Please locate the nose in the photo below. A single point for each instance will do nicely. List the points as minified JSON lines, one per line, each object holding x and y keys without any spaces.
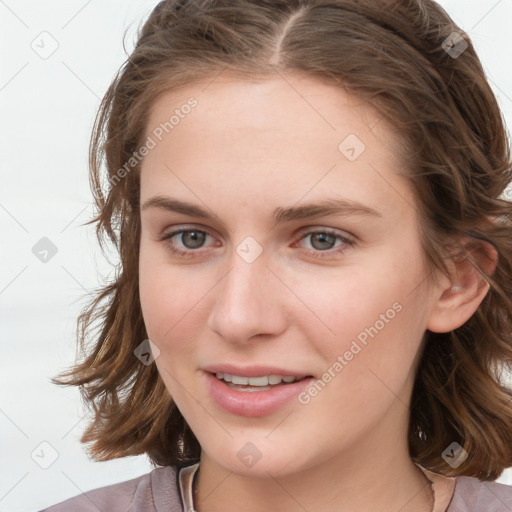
{"x":249,"y":300}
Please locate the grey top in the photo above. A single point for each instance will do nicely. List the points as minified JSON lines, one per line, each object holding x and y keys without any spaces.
{"x":162,"y":489}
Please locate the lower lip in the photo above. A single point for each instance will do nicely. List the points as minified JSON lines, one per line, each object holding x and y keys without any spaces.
{"x":253,"y":403}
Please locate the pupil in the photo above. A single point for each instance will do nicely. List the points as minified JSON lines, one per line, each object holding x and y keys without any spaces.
{"x":321,"y":237}
{"x":195,"y":237}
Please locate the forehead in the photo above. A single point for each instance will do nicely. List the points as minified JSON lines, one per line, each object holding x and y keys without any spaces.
{"x":283,"y":135}
{"x":282,"y":114}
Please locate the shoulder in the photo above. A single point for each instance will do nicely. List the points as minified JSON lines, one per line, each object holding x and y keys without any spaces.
{"x":156,"y":491}
{"x":473,"y":495}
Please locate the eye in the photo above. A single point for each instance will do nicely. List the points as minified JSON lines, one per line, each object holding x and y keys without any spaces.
{"x":190,"y":239}
{"x":186,"y":241}
{"x":323,"y":241}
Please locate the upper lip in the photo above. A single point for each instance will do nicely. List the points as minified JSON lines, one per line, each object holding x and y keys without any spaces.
{"x":253,"y":371}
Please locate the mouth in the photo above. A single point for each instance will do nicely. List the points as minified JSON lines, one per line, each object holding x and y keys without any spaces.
{"x":254,"y":396}
{"x":255,"y":384}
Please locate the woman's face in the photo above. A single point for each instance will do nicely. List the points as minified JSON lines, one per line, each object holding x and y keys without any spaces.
{"x":300,"y":256}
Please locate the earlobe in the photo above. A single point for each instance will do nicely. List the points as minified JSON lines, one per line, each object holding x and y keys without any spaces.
{"x":460,"y":296}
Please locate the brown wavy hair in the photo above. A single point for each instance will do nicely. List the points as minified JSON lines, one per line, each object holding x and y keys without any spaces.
{"x":397,"y":56}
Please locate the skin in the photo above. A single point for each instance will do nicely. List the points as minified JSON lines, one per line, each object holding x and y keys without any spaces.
{"x":246,"y":149}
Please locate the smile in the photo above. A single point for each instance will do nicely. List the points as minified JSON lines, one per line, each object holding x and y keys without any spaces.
{"x":254,"y":396}
{"x":243,"y":383}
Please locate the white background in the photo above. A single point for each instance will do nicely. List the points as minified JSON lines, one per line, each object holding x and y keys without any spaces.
{"x":47,"y":110}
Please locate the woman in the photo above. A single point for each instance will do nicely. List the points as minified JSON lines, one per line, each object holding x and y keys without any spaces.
{"x":313,"y":308}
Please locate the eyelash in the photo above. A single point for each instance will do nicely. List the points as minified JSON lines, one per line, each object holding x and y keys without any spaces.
{"x":316,"y":253}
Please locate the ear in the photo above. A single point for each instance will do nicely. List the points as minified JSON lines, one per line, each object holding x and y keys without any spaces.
{"x":460,"y":294}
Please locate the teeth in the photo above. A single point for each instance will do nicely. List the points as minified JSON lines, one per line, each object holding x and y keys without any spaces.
{"x":255,"y":381}
{"x":239,"y":380}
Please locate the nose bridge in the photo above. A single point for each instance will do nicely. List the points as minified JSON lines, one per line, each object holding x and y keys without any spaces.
{"x":247,"y":299}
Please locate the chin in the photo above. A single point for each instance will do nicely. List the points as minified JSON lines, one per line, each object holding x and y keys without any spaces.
{"x":245,"y":458}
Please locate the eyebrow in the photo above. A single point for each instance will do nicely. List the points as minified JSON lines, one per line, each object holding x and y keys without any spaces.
{"x":280,"y":215}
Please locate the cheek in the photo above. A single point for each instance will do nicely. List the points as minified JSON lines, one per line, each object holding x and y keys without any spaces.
{"x":161,"y":297}
{"x":350,"y":306}
{"x":150,"y":294}
{"x":373,"y":319}
{"x":166,"y":311}
{"x":173,"y":303}
{"x":370,"y":365}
